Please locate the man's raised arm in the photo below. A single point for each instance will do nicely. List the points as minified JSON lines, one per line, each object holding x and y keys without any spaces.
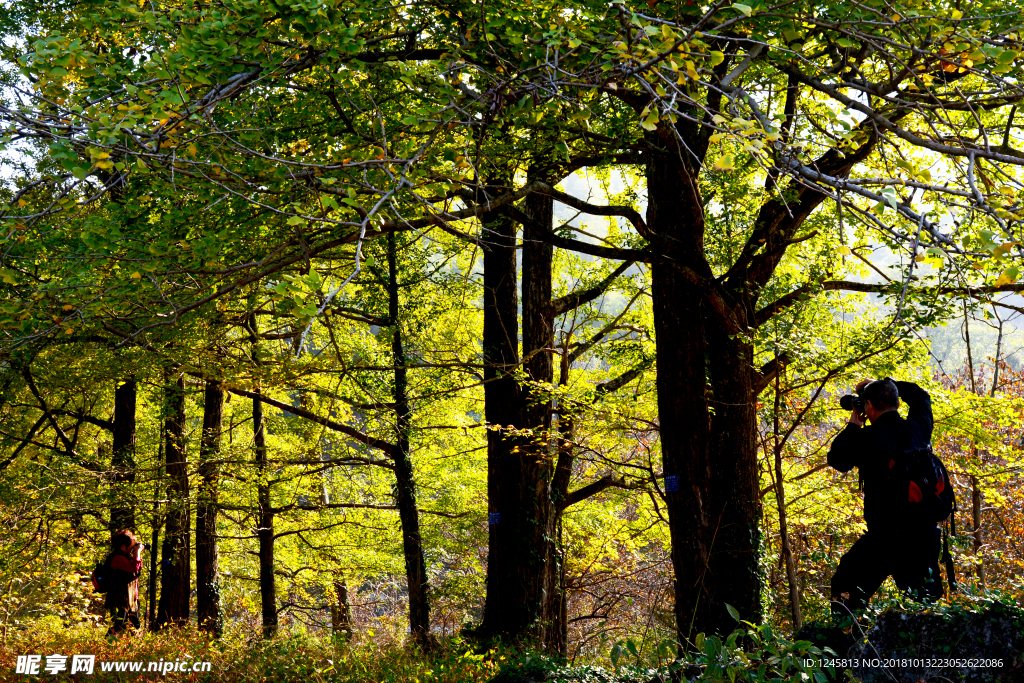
{"x":920,"y":408}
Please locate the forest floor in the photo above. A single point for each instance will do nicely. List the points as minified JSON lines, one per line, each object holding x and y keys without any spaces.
{"x":304,"y":658}
{"x":981,"y":630}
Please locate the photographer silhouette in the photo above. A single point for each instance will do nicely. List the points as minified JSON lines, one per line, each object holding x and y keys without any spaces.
{"x":118,"y":577}
{"x":903,"y":539}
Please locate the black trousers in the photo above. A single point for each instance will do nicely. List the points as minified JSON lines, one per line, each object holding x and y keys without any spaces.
{"x":910,"y":556}
{"x":121,"y":618}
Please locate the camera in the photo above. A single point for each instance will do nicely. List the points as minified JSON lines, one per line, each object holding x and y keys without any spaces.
{"x":852,"y":402}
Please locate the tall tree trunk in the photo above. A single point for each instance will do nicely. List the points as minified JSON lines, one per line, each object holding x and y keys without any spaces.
{"x":502,"y":410}
{"x":265,"y":530}
{"x":531,"y":520}
{"x":682,"y":402}
{"x":734,"y":552}
{"x":122,"y":461}
{"x":412,"y":542}
{"x":208,"y":609}
{"x":176,"y":571}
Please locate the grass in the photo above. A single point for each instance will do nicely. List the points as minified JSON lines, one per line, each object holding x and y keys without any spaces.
{"x":749,"y":654}
{"x":294,"y":657}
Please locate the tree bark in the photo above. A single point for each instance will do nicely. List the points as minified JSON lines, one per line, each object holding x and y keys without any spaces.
{"x":151,"y":604}
{"x":412,"y":542}
{"x":979,"y":540}
{"x":733,"y":553}
{"x":780,"y":499}
{"x":176,"y":571}
{"x":531,"y":522}
{"x":682,"y":385}
{"x":341,"y":615}
{"x":502,"y":411}
{"x":528,"y":591}
{"x":265,"y":530}
{"x":557,"y":639}
{"x":208,"y":608}
{"x":707,"y":383}
{"x":122,"y":461}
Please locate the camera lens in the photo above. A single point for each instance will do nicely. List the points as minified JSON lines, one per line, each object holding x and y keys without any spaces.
{"x":846,"y":402}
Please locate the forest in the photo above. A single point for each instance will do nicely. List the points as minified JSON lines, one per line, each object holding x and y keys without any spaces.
{"x":452,"y":340}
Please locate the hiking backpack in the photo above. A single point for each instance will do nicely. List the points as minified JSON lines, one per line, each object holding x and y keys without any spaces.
{"x":921,"y":484}
{"x":99,"y":575}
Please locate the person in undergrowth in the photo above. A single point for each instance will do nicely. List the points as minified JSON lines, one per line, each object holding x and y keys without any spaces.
{"x":122,"y":581}
{"x":894,"y":544}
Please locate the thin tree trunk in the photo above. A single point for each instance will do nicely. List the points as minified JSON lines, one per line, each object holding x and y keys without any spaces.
{"x":976,"y":496}
{"x":175,"y":576}
{"x":501,"y":408}
{"x":341,"y":615}
{"x":208,"y":608}
{"x":122,"y":461}
{"x":557,"y":640}
{"x":557,"y":636}
{"x":412,"y":542}
{"x":265,"y":530}
{"x":979,"y":539}
{"x":154,"y":544}
{"x":153,"y":565}
{"x":780,"y":498}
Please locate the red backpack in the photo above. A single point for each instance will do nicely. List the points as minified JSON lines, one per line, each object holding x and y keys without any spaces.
{"x":922,"y":485}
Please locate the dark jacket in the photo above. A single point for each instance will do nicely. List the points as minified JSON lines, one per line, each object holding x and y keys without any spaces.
{"x":871,"y":448}
{"x":122,"y":581}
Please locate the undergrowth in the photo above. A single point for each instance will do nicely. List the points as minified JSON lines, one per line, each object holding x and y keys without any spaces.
{"x":238,"y":657}
{"x":749,"y":654}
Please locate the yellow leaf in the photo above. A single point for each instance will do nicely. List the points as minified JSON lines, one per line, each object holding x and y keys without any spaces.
{"x":136,"y":275}
{"x":726,"y":162}
{"x":717,"y":57}
{"x":845,"y":250}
